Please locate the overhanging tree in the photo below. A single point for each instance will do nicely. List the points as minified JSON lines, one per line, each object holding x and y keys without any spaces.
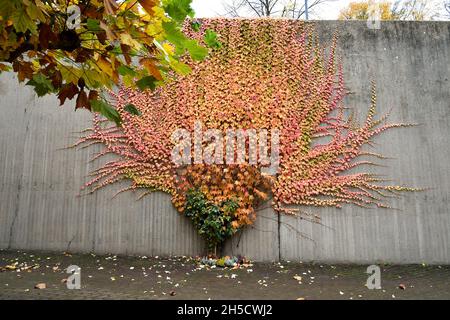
{"x":75,"y":48}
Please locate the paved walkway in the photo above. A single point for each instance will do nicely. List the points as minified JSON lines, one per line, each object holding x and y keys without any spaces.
{"x":117,"y":277}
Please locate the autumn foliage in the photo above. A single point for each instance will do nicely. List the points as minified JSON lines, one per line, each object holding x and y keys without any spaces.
{"x":76,"y":48}
{"x":266,"y":74}
{"x":417,"y":10}
{"x":361,"y":10}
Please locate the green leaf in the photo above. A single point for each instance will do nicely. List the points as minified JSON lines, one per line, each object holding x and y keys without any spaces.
{"x":196,"y":51}
{"x":178,"y":10}
{"x":93,"y":25}
{"x":148,"y":82}
{"x":195,"y":25}
{"x":131,"y":108}
{"x":22,"y":22}
{"x":211,"y":39}
{"x":173,"y":34}
{"x":176,"y":37}
{"x":106,"y":110}
{"x":34,"y":12}
{"x":8,"y":7}
{"x":126,"y":71}
{"x":71,"y":73}
{"x":180,"y":67}
{"x":41,"y":84}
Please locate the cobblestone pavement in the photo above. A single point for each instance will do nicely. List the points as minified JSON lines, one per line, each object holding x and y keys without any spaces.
{"x":120,"y":277}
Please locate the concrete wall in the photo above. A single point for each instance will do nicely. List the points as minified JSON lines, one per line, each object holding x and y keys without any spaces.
{"x":410,"y":62}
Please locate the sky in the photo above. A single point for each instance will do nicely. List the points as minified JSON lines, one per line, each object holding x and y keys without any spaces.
{"x":214,"y":8}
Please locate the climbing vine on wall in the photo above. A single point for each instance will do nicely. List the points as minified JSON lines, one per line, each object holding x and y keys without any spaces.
{"x":264,"y":74}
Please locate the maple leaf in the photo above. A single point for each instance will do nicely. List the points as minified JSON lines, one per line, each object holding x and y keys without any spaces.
{"x":148,"y":5}
{"x":99,"y":51}
{"x":131,"y":108}
{"x":42,"y":85}
{"x":24,"y":70}
{"x":149,"y":64}
{"x":82,"y":101}
{"x":148,"y":82}
{"x":68,"y":91}
{"x":106,"y":109}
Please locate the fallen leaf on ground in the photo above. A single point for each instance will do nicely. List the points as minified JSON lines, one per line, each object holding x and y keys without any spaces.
{"x":40,"y":286}
{"x":11,"y":266}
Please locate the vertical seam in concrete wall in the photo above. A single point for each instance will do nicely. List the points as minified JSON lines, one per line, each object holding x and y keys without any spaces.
{"x":16,"y":212}
{"x":94,"y":233}
{"x":19,"y":189}
{"x":279,"y":235}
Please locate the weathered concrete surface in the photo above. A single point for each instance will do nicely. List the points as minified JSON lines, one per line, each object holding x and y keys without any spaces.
{"x":410,"y":63}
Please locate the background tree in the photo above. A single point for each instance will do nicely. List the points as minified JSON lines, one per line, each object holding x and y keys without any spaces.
{"x":74,"y":48}
{"x":397,"y":10}
{"x":294,"y":9}
{"x":447,"y":9}
{"x":417,"y":9}
{"x":360,"y":11}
